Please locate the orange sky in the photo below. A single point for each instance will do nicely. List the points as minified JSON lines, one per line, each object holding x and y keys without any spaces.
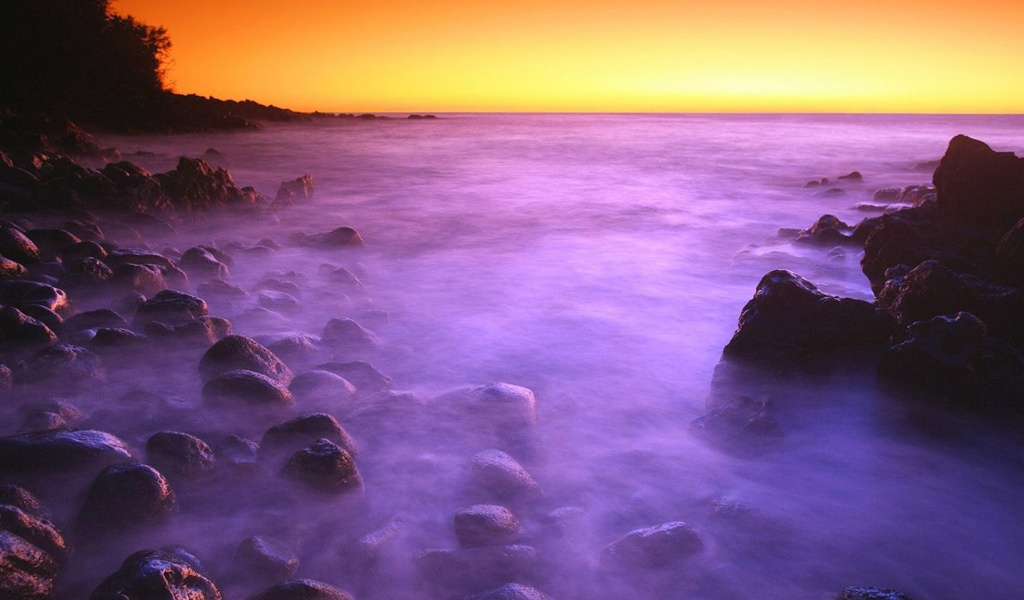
{"x":599,"y":55}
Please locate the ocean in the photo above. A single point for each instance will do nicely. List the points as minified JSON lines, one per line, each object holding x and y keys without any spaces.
{"x":602,"y":261}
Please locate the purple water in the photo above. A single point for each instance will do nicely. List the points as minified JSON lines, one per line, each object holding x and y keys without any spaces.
{"x":602,"y":261}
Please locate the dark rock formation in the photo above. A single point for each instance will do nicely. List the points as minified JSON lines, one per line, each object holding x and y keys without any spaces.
{"x":126,"y":497}
{"x":19,"y":497}
{"x":981,"y":186}
{"x":325,"y":467}
{"x":495,"y":475}
{"x":263,"y":561}
{"x":342,"y":237}
{"x":302,"y":589}
{"x":57,"y":451}
{"x":239,"y":352}
{"x":789,"y":322}
{"x":302,"y":431}
{"x":180,"y":455}
{"x":828,"y":230}
{"x":653,"y":548}
{"x":296,"y":189}
{"x":195,"y":186}
{"x":200,"y":262}
{"x":246,"y":388}
{"x":15,"y":245}
{"x":26,"y":572}
{"x":486,"y":525}
{"x":474,"y":570}
{"x":743,"y":425}
{"x":171,"y":308}
{"x":35,"y":530}
{"x":871,"y":593}
{"x":348,"y":336}
{"x":20,"y":332}
{"x":167,"y":574}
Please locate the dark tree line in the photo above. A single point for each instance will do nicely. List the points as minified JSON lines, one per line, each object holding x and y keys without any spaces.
{"x":79,"y":59}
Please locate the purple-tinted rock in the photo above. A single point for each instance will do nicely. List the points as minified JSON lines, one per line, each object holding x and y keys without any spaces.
{"x":38,"y":532}
{"x":246,"y":388}
{"x":239,"y":352}
{"x":22,"y":332}
{"x":653,"y":548}
{"x":171,"y":308}
{"x":158,"y":575}
{"x":261,"y":560}
{"x":486,"y":525}
{"x":16,"y":246}
{"x":871,"y":593}
{"x":325,"y":467}
{"x":980,"y":185}
{"x":367,"y":379}
{"x":27,"y":572}
{"x":296,"y":189}
{"x":302,"y":589}
{"x":180,"y":455}
{"x":348,"y":336}
{"x":496,"y":474}
{"x":60,"y":451}
{"x":126,"y":497}
{"x":475,"y":569}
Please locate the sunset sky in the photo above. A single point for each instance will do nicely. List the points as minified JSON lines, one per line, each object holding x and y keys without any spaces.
{"x":599,"y":55}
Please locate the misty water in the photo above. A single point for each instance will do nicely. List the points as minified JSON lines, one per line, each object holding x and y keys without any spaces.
{"x":602,"y":262}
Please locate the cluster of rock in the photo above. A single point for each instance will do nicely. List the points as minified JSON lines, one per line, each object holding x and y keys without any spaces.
{"x":947,"y":322}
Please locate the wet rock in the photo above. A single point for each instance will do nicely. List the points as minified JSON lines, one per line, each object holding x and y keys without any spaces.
{"x":476,"y":569}
{"x":342,"y":237}
{"x":1010,"y":255}
{"x":195,"y":186}
{"x":340,"y":275}
{"x":300,"y":432}
{"x":980,"y":185}
{"x":296,"y":189}
{"x":790,"y":322}
{"x":742,"y":424}
{"x":94,"y":319}
{"x":83,"y":250}
{"x":871,"y":593}
{"x":495,"y":474}
{"x":382,"y":419}
{"x":200,"y":333}
{"x":10,"y":269}
{"x":504,"y":404}
{"x":917,"y":195}
{"x":324,"y":390}
{"x":239,"y":352}
{"x":367,"y":379}
{"x":60,"y":451}
{"x":180,"y":455}
{"x":171,"y":308}
{"x":348,"y":336}
{"x":239,"y":452}
{"x":246,"y":388}
{"x":886,"y":195}
{"x":656,"y":547}
{"x":107,"y":340}
{"x":23,"y":499}
{"x":279,"y":301}
{"x":486,"y":525}
{"x":6,"y":378}
{"x":259,"y":560}
{"x":511,"y":591}
{"x":200,"y":262}
{"x":912,"y":236}
{"x":15,"y":245}
{"x":126,"y":497}
{"x":145,"y":279}
{"x":21,"y":332}
{"x":302,"y":589}
{"x":34,"y":530}
{"x":828,"y":231}
{"x":217,"y":288}
{"x":42,"y":421}
{"x":24,"y":293}
{"x":167,"y":574}
{"x":86,"y":275}
{"x":853,"y":176}
{"x":325,"y":467}
{"x":28,"y":573}
{"x":70,"y":368}
{"x":137,"y":256}
{"x":292,"y":346}
{"x":43,"y":315}
{"x":954,"y":361}
{"x":52,"y":243}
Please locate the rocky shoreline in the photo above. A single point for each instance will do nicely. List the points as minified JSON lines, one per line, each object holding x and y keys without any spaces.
{"x":292,"y":427}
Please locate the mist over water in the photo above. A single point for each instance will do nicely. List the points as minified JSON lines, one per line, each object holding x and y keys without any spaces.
{"x":602,"y":262}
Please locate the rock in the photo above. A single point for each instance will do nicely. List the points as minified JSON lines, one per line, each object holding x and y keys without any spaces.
{"x":145,"y":279}
{"x":367,"y":379}
{"x":914,"y":235}
{"x":23,"y":294}
{"x":137,"y":256}
{"x":246,"y":388}
{"x":42,"y":421}
{"x":198,"y":261}
{"x":292,"y":346}
{"x":264,"y":561}
{"x":126,"y":497}
{"x":976,"y":184}
{"x":10,"y":269}
{"x":381,"y":420}
{"x":34,"y":530}
{"x":238,"y":452}
{"x":60,"y":451}
{"x":495,"y":474}
{"x":348,"y":336}
{"x":656,"y":547}
{"x":854,"y":176}
{"x":52,"y":243}
{"x":221,"y":289}
{"x":171,"y":308}
{"x":953,"y":360}
{"x":278,"y":301}
{"x":94,"y":319}
{"x":180,"y":455}
{"x":827,"y":230}
{"x":239,"y":352}
{"x":89,"y":274}
{"x":871,"y":593}
{"x":340,"y":275}
{"x":342,"y":237}
{"x":486,"y":525}
{"x":16,"y":246}
{"x":504,"y":404}
{"x":300,"y":432}
{"x":325,"y":467}
{"x":167,"y":574}
{"x":917,"y":195}
{"x":323,"y":388}
{"x":790,"y":322}
{"x":1010,"y":255}
{"x":21,"y":332}
{"x":43,"y":315}
{"x":296,"y":189}
{"x":21,"y":498}
{"x":886,"y":195}
{"x":27,"y":572}
{"x":511,"y":591}
{"x":302,"y":589}
{"x":743,"y":424}
{"x":196,"y":186}
{"x":68,"y":367}
{"x":476,"y":569}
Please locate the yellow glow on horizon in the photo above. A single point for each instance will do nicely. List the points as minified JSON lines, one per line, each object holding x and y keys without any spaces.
{"x":600,"y":55}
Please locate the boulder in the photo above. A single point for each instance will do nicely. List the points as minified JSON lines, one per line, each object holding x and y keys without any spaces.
{"x":743,"y":424}
{"x":498,"y":476}
{"x":246,"y":388}
{"x":195,"y":186}
{"x":979,"y":185}
{"x":472,"y":570}
{"x":200,"y":262}
{"x":342,"y":237}
{"x":658,"y":547}
{"x":239,"y":352}
{"x":93,"y":319}
{"x":52,"y":243}
{"x":180,"y":455}
{"x":323,"y":389}
{"x":302,"y":589}
{"x":259,"y":560}
{"x":296,"y":189}
{"x":21,"y":332}
{"x":24,"y":294}
{"x":19,"y":497}
{"x":324,"y":467}
{"x":239,"y":453}
{"x":126,"y":497}
{"x":171,"y":308}
{"x":828,"y":230}
{"x":15,"y":245}
{"x":65,"y":367}
{"x":348,"y":336}
{"x":167,"y":574}
{"x":145,"y":279}
{"x":292,"y":346}
{"x":35,"y":530}
{"x":27,"y":572}
{"x":367,"y":379}
{"x":871,"y":593}
{"x":511,"y":591}
{"x":789,"y":322}
{"x":300,"y":432}
{"x":10,"y":269}
{"x":60,"y":451}
{"x":486,"y":525}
